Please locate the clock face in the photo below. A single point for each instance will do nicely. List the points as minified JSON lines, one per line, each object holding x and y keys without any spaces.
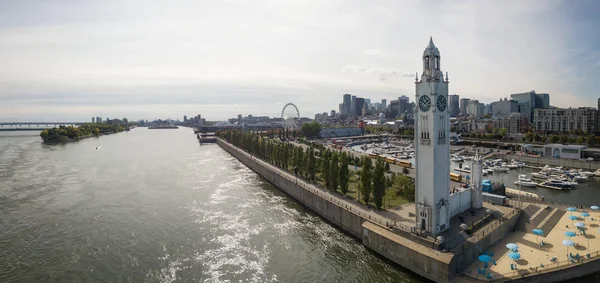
{"x":441,"y":103}
{"x":424,"y":103}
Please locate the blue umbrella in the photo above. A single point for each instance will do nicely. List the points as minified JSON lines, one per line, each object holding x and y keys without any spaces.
{"x":572,"y":217}
{"x":585,"y":214}
{"x":571,"y":209}
{"x":579,"y":224}
{"x":512,"y":246}
{"x":570,"y":234}
{"x":514,"y":255}
{"x":485,"y":258}
{"x":595,"y":207}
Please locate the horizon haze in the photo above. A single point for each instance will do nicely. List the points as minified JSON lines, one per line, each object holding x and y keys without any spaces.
{"x":70,"y":60}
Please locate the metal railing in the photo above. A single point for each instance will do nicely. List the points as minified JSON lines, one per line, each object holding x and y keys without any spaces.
{"x":531,"y":271}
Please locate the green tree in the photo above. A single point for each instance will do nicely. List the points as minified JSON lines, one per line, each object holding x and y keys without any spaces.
{"x":365,"y":179}
{"x":379,"y":183}
{"x":311,"y":130}
{"x":387,"y":167}
{"x":580,"y":139}
{"x":311,"y":164}
{"x":325,"y":167}
{"x":503,"y":132}
{"x":344,"y":173}
{"x":405,"y":187}
{"x":528,"y":136}
{"x":334,"y":172}
{"x":554,"y":138}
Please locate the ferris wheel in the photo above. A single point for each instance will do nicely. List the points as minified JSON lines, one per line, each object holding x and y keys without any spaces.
{"x":290,"y":117}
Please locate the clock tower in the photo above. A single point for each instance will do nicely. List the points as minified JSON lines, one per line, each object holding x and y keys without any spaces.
{"x":432,"y":149}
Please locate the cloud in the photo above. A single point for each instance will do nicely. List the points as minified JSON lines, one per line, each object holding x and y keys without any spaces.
{"x":381,"y":72}
{"x":373,"y":53}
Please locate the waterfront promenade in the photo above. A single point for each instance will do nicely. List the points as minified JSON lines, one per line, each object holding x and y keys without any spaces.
{"x":537,"y":259}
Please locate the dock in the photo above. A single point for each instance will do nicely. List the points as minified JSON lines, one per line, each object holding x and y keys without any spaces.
{"x":206,"y":138}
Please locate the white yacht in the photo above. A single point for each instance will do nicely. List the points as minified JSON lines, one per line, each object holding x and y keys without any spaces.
{"x":500,"y":169}
{"x":540,"y":175}
{"x":597,"y":173}
{"x":580,"y":178}
{"x":525,"y":182}
{"x":456,"y":159}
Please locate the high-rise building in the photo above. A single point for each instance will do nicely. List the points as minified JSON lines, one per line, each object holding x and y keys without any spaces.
{"x":185,"y":118}
{"x":528,"y":101}
{"x":542,"y":100}
{"x":432,"y":147}
{"x":598,"y":103}
{"x":341,"y":109}
{"x":239,"y":119}
{"x":368,"y":102}
{"x":384,"y":103}
{"x":453,"y":103}
{"x":464,"y":103}
{"x":93,"y":119}
{"x":347,"y":103}
{"x":403,"y":106}
{"x":475,"y":109}
{"x":353,"y":105}
{"x":504,"y":108}
{"x":405,"y":98}
{"x":358,"y":105}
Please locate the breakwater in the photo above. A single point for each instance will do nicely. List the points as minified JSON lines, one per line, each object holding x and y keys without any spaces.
{"x":368,"y":227}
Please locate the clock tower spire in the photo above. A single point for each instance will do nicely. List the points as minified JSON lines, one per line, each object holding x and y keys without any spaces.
{"x":432,"y":149}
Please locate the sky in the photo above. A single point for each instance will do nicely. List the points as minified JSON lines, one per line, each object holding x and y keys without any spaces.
{"x":73,"y":60}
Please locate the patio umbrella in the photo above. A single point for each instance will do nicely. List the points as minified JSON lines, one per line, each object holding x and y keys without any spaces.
{"x":579,"y":224}
{"x":568,"y":243}
{"x":485,"y":258}
{"x":584,"y":215}
{"x":512,"y":246}
{"x":537,"y":232}
{"x":514,"y":255}
{"x":595,"y":207}
{"x":571,"y":209}
{"x":570,"y":234}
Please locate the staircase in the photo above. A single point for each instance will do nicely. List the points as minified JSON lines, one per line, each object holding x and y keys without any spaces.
{"x":531,"y":217}
{"x":551,"y":220}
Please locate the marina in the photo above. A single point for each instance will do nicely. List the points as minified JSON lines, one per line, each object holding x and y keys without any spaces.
{"x":556,"y":183}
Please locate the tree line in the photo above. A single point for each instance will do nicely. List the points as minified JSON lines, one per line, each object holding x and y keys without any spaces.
{"x":67,"y":133}
{"x":329,"y":167}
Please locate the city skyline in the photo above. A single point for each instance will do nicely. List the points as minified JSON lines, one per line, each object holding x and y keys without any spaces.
{"x":65,"y":60}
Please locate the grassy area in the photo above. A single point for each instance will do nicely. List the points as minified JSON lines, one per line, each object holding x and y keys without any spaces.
{"x":390,"y":201}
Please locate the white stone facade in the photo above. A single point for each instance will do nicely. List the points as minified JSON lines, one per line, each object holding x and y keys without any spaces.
{"x":477,"y":179}
{"x":432,"y":149}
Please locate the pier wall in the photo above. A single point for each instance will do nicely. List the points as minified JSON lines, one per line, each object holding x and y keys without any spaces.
{"x":472,"y":250}
{"x":431,"y":264}
{"x":542,"y":161}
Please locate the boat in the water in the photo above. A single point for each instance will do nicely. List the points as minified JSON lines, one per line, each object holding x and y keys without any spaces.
{"x":525,"y":182}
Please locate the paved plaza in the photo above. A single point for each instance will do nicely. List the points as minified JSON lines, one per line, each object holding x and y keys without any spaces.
{"x":537,"y":258}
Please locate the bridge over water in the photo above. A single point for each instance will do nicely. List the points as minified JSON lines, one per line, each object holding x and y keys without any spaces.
{"x":34,"y":126}
{"x":212,"y":129}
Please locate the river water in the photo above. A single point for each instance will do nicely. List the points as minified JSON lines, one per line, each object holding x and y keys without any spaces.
{"x":155,"y":206}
